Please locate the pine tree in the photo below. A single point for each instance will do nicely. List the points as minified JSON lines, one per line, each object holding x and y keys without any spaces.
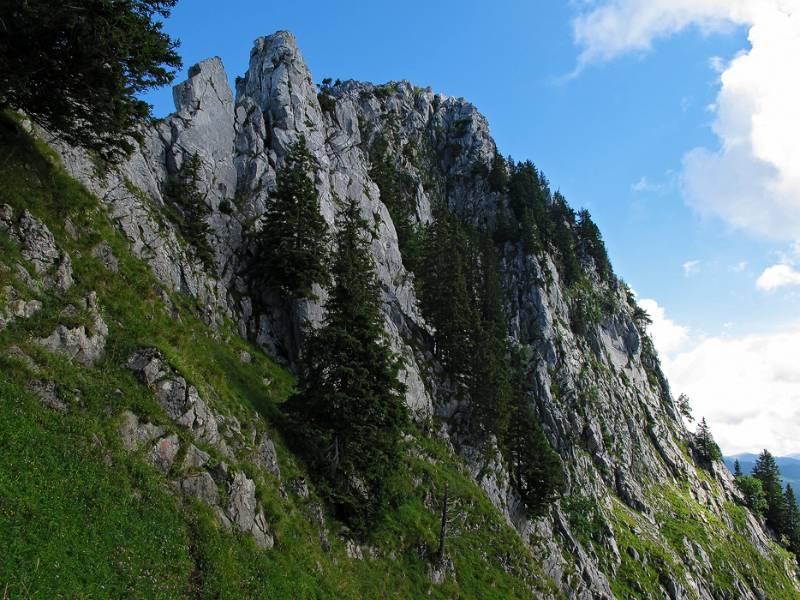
{"x":348,"y":414}
{"x":78,"y":68}
{"x":766,"y":470}
{"x":498,"y":174}
{"x":535,"y":468}
{"x":792,"y":520}
{"x":446,"y":298}
{"x":706,"y":447}
{"x":753,"y":492}
{"x":292,"y":245}
{"x":190,"y":209}
{"x":737,"y":468}
{"x":592,"y":243}
{"x":490,"y":387}
{"x":683,"y":402}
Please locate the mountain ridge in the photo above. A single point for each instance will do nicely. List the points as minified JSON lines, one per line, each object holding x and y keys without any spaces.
{"x":594,"y":379}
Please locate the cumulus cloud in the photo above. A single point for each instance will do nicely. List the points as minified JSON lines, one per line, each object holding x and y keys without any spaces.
{"x":667,"y":335}
{"x":752,"y":179}
{"x":777,"y":276}
{"x":748,"y":387}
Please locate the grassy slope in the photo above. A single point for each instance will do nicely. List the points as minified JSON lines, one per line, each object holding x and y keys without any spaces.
{"x":79,"y":517}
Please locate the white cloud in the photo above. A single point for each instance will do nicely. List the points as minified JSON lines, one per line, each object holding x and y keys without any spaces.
{"x":738,"y":267}
{"x":752,"y":180}
{"x":777,"y":276}
{"x":747,"y":387}
{"x":667,"y":335}
{"x":690,"y":267}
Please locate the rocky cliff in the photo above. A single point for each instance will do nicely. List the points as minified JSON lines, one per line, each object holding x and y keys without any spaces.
{"x":638,"y":518}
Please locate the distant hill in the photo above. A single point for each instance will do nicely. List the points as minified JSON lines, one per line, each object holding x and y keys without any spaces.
{"x":789,"y":466}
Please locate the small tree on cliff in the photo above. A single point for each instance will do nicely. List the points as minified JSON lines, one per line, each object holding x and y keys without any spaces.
{"x":706,"y":447}
{"x":766,"y":470}
{"x":292,"y":246}
{"x":350,"y":409}
{"x":76,"y":67}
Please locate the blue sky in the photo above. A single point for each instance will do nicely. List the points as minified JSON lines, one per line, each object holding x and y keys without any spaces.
{"x":626,"y":118}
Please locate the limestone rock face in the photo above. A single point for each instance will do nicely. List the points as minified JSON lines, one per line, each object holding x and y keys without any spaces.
{"x":600,"y":395}
{"x":85,"y":343}
{"x":37,"y":246}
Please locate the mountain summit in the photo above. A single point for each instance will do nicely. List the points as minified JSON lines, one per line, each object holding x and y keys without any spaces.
{"x":147,"y":363}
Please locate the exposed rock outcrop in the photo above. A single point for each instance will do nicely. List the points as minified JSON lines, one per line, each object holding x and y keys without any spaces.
{"x":598,"y":391}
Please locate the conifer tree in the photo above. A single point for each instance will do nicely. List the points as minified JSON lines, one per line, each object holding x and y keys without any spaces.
{"x":78,"y":68}
{"x":292,"y":245}
{"x":445,"y":295}
{"x":490,"y":388}
{"x":348,"y":414}
{"x":498,"y":174}
{"x":737,"y":468}
{"x":592,"y":242}
{"x":706,"y":447}
{"x":534,"y":467}
{"x":766,"y":470}
{"x":792,"y":520}
{"x":190,"y":209}
{"x":753,"y":492}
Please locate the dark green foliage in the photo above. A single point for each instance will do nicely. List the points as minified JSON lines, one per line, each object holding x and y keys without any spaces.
{"x":461,"y":296}
{"x":683,"y":403}
{"x":490,"y":376}
{"x":348,"y":414}
{"x":445,"y":295}
{"x":498,"y":174}
{"x":562,"y":237}
{"x":76,"y":67}
{"x":792,"y":531}
{"x":753,"y":492}
{"x":535,"y":468}
{"x":707,"y":449}
{"x":766,"y":470}
{"x":591,"y":242}
{"x":190,"y":209}
{"x":292,"y":246}
{"x":326,"y":101}
{"x":398,"y":193}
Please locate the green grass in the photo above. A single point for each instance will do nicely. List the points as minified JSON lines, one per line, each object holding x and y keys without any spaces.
{"x":731,"y":554}
{"x":82,"y":518}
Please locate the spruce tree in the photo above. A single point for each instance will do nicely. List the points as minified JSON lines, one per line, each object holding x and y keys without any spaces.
{"x":445,"y":295}
{"x":292,"y":245}
{"x":490,"y":387}
{"x":792,"y":520}
{"x":190,"y":210}
{"x":705,"y":445}
{"x":766,"y":470}
{"x":592,"y":243}
{"x":349,"y":411}
{"x":753,"y":492}
{"x":737,"y":468}
{"x":535,"y":468}
{"x":78,"y":68}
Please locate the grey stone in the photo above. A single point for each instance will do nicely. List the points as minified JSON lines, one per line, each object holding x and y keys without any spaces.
{"x":243,"y":510}
{"x":163,"y":453}
{"x":266,"y":456}
{"x":48,"y":394}
{"x":201,"y":486}
{"x":135,"y":434}
{"x":195,"y":458}
{"x":84,"y":345}
{"x":103,"y":252}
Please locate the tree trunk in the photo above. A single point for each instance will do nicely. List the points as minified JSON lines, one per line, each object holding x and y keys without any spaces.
{"x":442,"y":529}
